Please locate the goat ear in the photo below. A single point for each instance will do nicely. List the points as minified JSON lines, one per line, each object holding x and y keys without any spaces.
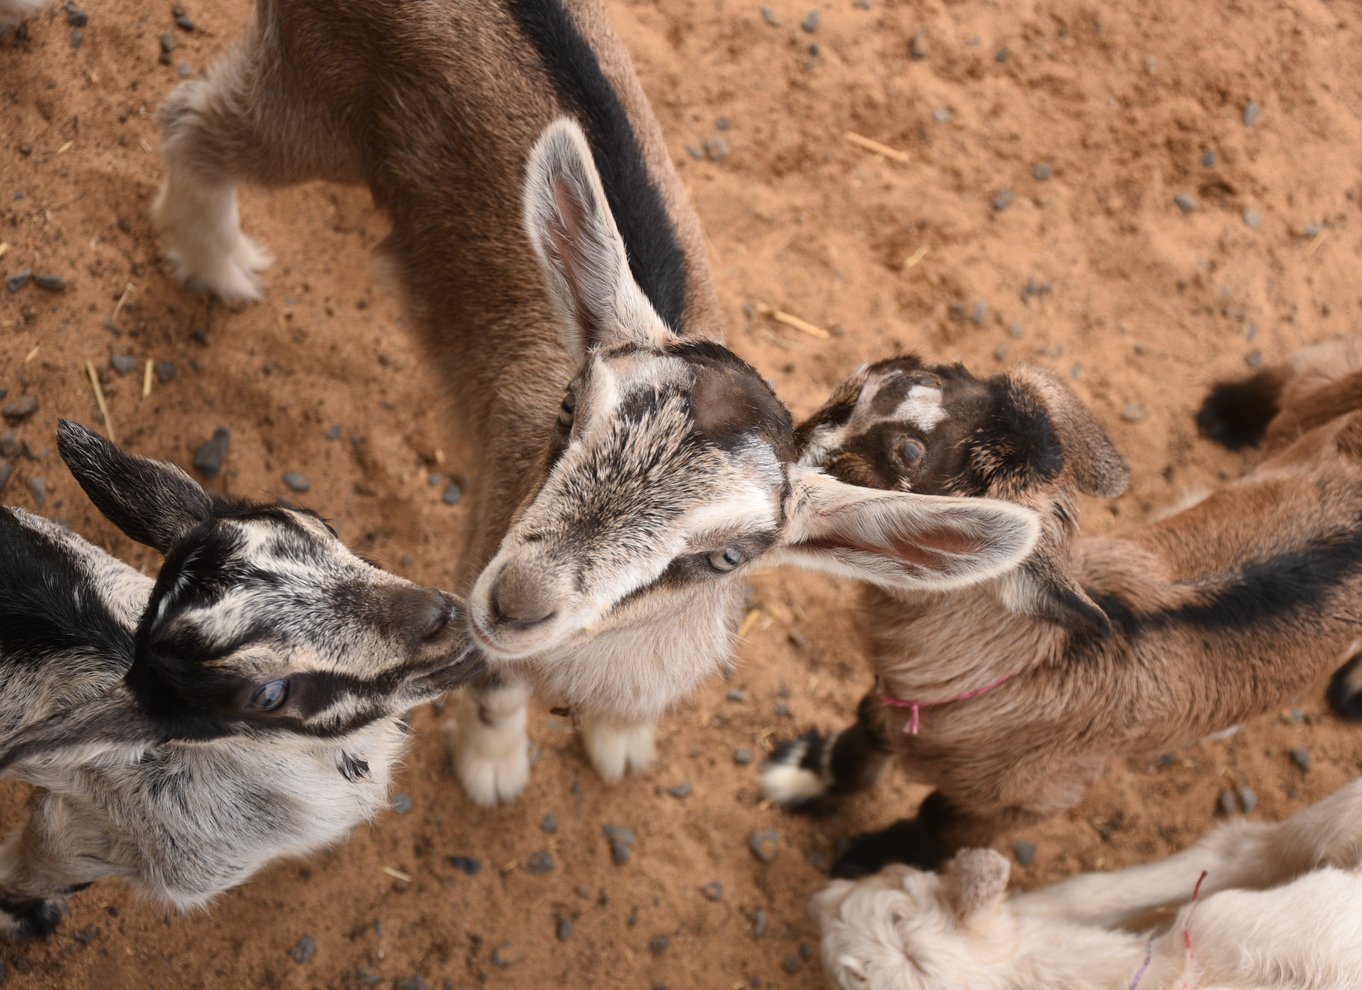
{"x":150,"y":501}
{"x":113,"y":720}
{"x":901,"y":540}
{"x":1096,"y":465}
{"x":573,"y":232}
{"x":976,"y":880}
{"x":1044,"y":588}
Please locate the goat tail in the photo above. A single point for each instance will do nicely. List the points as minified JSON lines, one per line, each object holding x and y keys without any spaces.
{"x":1236,"y":414}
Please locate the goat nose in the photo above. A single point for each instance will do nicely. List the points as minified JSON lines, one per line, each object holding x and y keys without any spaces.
{"x":438,"y":611}
{"x":518,"y":603}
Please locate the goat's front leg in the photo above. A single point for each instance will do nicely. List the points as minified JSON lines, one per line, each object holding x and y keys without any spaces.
{"x":45,"y":861}
{"x":811,"y":772}
{"x":489,"y":742}
{"x":617,"y":748}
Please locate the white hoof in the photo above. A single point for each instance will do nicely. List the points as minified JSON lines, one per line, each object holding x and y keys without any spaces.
{"x":206,"y":247}
{"x":490,"y":749}
{"x":619,"y":749}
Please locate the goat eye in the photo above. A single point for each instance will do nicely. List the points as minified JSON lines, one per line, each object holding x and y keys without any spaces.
{"x":566,"y":410}
{"x":911,"y":451}
{"x":268,"y":697}
{"x":725,"y":560}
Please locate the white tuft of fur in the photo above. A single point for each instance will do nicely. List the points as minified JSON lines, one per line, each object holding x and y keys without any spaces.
{"x":490,"y":746}
{"x":14,"y":11}
{"x":787,"y":783}
{"x":619,"y":749}
{"x":204,"y":242}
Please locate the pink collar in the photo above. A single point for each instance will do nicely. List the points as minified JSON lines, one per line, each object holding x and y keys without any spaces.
{"x":910,"y":727}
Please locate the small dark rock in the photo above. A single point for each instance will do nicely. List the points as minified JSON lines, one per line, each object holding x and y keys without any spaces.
{"x":1042,"y":171}
{"x":503,"y":957}
{"x":209,"y":458}
{"x":297,"y":481}
{"x":742,"y":756}
{"x":539,"y":863}
{"x":723,"y":124}
{"x":166,"y":372}
{"x":167,"y":43}
{"x":1247,"y":799}
{"x":737,"y":695}
{"x":1301,"y":757}
{"x":1185,"y":202}
{"x":1002,"y":199}
{"x":183,"y":70}
{"x":409,"y":983}
{"x":658,"y":944}
{"x":77,"y":39}
{"x":87,"y":934}
{"x":20,"y":409}
{"x":563,"y":929}
{"x":1252,"y":218}
{"x":37,"y":487}
{"x":1252,"y":111}
{"x":19,"y":279}
{"x":810,"y":22}
{"x":1225,"y":803}
{"x":124,"y":364}
{"x":401,"y":803}
{"x":76,"y":17}
{"x":758,"y":923}
{"x":334,"y":433}
{"x":621,"y":841}
{"x":465,"y":864}
{"x":1254,"y":359}
{"x":918,"y":48}
{"x":783,"y":710}
{"x":769,"y":16}
{"x":805,"y":951}
{"x":549,"y":824}
{"x":183,"y":22}
{"x":764,"y":845}
{"x":453,"y":494}
{"x":304,"y":950}
{"x":713,"y":891}
{"x":680,"y":790}
{"x":791,"y":964}
{"x":1208,"y":159}
{"x":716,"y":149}
{"x":1024,"y":851}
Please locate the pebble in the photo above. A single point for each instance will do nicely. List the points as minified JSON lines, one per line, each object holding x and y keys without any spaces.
{"x":742,"y":757}
{"x":1185,"y":202}
{"x":758,"y":923}
{"x":1254,"y":359}
{"x":77,"y":39}
{"x":713,"y":891}
{"x":942,"y":115}
{"x":550,"y":824}
{"x":465,"y":864}
{"x":124,"y":364}
{"x":19,"y":279}
{"x":680,"y":790}
{"x":1208,"y":159}
{"x":167,"y":43}
{"x":1253,"y":218}
{"x":723,"y":124}
{"x":6,"y":469}
{"x":1134,"y":413}
{"x":1295,"y":716}
{"x":334,"y":433}
{"x":304,"y":950}
{"x":783,"y":710}
{"x":658,"y":944}
{"x":1301,"y":757}
{"x":166,"y":371}
{"x":183,"y":22}
{"x":716,"y":149}
{"x":209,"y":458}
{"x":87,"y":934}
{"x":76,"y":17}
{"x":1225,"y":803}
{"x":539,"y":863}
{"x":621,"y":841}
{"x":1001,"y":56}
{"x":410,"y":983}
{"x":1001,"y":351}
{"x":401,"y":803}
{"x":769,"y":16}
{"x":1002,"y":199}
{"x":805,"y":951}
{"x":1252,"y":111}
{"x":297,"y":481}
{"x":502,"y":957}
{"x":791,"y":964}
{"x":183,"y":70}
{"x":1016,"y":329}
{"x":1042,"y":171}
{"x":563,"y":929}
{"x":737,"y":695}
{"x":1247,"y":799}
{"x":1024,"y":851}
{"x":810,"y":22}
{"x":20,"y":409}
{"x":764,"y":845}
{"x":453,"y":494}
{"x":918,"y":48}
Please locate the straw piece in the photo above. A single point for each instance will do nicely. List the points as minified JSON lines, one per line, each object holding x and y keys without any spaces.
{"x":915,"y":258}
{"x":397,"y":874}
{"x":794,"y":322}
{"x":99,"y":400}
{"x":146,"y":380}
{"x":871,"y":145}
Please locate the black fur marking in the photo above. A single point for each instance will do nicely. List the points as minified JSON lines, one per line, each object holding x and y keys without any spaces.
{"x":34,"y":917}
{"x":909,"y":841}
{"x":1236,"y":414}
{"x":353,"y":768}
{"x":731,"y":401}
{"x":48,"y":604}
{"x":655,"y":256}
{"x":1274,"y":592}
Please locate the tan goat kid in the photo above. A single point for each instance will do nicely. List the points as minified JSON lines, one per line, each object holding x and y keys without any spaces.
{"x":626,"y":468}
{"x":1008,"y":697}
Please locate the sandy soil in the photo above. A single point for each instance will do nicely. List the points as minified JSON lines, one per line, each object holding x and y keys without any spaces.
{"x":964,"y":251}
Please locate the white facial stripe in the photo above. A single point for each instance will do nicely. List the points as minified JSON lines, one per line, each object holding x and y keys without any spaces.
{"x":922,"y":407}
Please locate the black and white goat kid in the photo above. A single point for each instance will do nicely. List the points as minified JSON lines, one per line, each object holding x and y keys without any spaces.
{"x":185,"y":731}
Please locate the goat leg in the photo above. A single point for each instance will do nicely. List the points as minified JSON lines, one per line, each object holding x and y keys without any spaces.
{"x":810,"y":774}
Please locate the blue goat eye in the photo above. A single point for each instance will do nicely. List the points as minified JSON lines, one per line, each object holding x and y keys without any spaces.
{"x":269,"y":696}
{"x":726,"y":559}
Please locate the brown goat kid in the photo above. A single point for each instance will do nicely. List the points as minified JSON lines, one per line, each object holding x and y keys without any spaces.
{"x":1019,"y":689}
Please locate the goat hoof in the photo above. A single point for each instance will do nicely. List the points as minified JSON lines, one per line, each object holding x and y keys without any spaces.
{"x":31,"y":917}
{"x":794,"y":776}
{"x":907,"y":842}
{"x":617,"y":750}
{"x":1345,"y":690}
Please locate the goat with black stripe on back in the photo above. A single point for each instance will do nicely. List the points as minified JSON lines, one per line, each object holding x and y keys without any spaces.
{"x":182,"y":732}
{"x":1008,"y":697}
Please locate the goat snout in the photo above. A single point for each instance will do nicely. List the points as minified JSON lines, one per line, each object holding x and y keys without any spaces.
{"x":520,"y":600}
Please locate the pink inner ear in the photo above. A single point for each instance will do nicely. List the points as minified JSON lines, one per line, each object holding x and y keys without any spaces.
{"x":563,"y":233}
{"x":920,"y":551}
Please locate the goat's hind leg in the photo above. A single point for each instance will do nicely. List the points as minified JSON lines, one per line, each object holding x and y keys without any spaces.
{"x":810,"y":773}
{"x":41,"y":864}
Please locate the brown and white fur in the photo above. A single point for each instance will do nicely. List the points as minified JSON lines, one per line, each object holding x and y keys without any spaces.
{"x":1278,"y":909}
{"x":1124,"y":644}
{"x":182,"y":732}
{"x":626,"y":468}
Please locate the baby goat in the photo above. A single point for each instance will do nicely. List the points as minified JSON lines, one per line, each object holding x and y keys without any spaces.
{"x":185,"y":731}
{"x":1009,"y":696}
{"x":1275,"y":908}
